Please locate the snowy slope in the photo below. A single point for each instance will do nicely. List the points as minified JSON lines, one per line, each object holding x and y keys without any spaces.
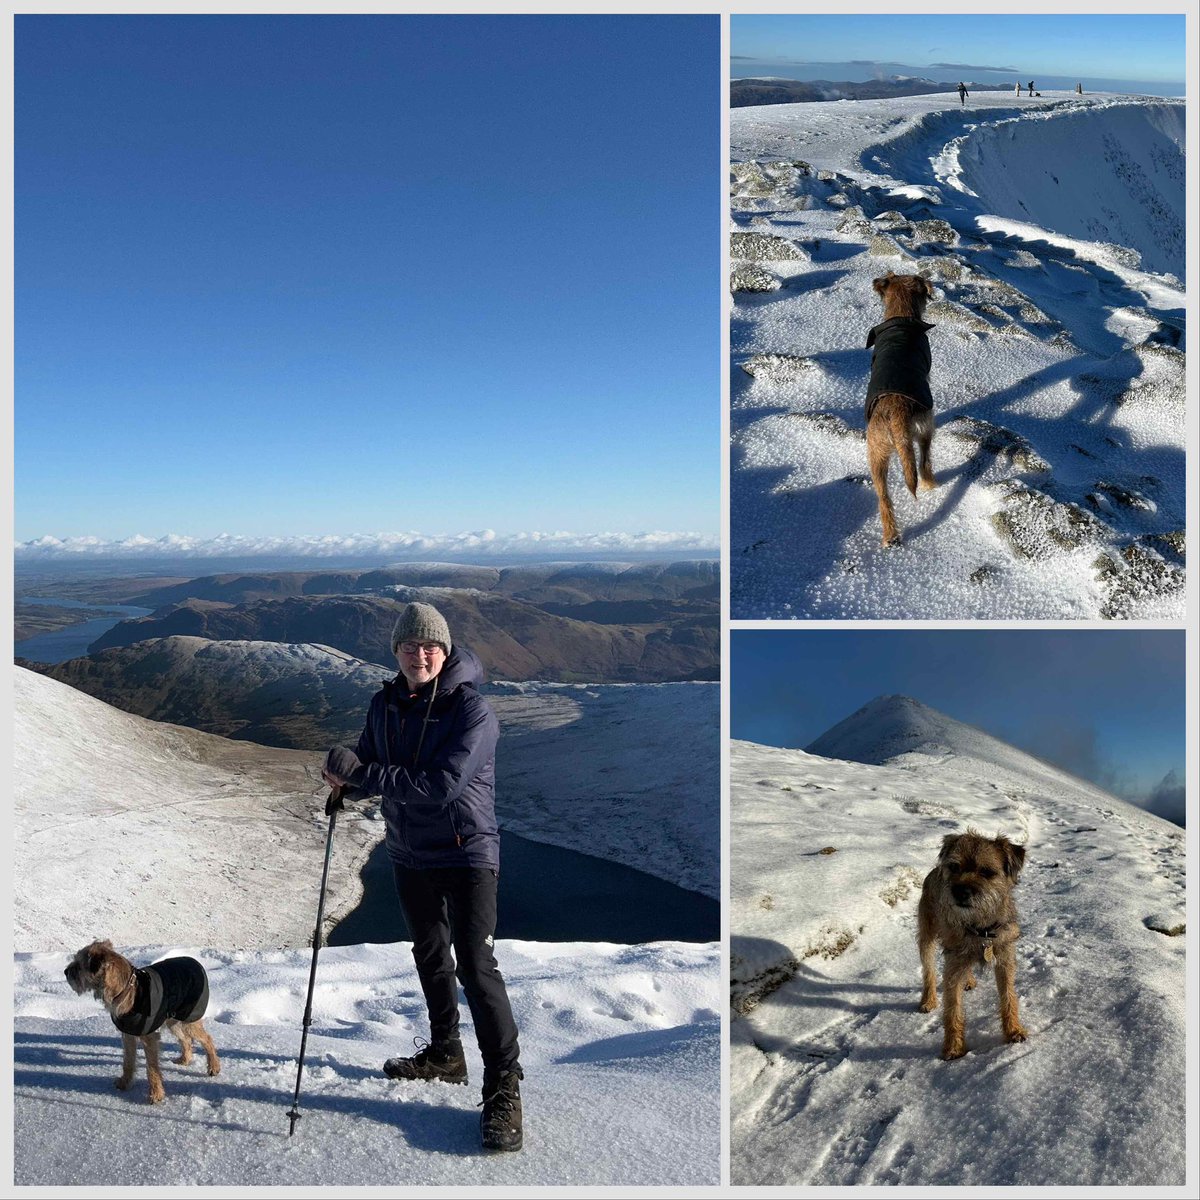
{"x":1053,"y":232}
{"x":620,"y":1047}
{"x":628,"y":772}
{"x":836,"y":1076}
{"x":113,"y":811}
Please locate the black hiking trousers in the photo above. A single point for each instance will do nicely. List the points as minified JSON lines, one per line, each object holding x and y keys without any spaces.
{"x":455,"y":907}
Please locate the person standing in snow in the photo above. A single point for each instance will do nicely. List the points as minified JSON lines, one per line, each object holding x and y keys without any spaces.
{"x":1018,"y":87}
{"x":962,"y":92}
{"x":1079,"y":89}
{"x":1031,"y":89}
{"x":429,"y":750}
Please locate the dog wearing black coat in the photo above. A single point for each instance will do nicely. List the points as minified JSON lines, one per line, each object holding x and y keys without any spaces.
{"x":172,"y":992}
{"x":899,"y":407}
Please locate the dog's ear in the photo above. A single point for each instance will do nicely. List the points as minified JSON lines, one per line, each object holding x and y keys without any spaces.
{"x":948,"y":844}
{"x":95,"y":961}
{"x":1014,"y":857}
{"x":926,"y":287}
{"x":880,"y":284}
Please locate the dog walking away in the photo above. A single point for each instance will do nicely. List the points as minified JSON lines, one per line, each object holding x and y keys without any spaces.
{"x":899,"y":403}
{"x":141,"y":1000}
{"x":967,"y":908}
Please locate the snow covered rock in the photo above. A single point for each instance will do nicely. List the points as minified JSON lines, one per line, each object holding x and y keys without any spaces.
{"x":779,"y":368}
{"x":1034,"y":525}
{"x":997,"y":441}
{"x":747,"y":277}
{"x":758,"y":247}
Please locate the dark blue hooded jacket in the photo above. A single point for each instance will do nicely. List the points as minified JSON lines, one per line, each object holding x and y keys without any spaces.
{"x":438,"y":788}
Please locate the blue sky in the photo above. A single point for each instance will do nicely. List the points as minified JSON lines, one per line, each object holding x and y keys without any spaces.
{"x":307,"y":275}
{"x":1106,"y":704}
{"x":1143,"y":48}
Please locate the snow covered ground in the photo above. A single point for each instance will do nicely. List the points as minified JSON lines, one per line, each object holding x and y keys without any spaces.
{"x":836,"y":1076}
{"x":620,"y":1047}
{"x":170,"y":840}
{"x":1053,"y":231}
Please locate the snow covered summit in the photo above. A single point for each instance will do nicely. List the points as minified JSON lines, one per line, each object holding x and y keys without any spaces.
{"x":836,"y":1076}
{"x":890,"y":726}
{"x":902,"y":732}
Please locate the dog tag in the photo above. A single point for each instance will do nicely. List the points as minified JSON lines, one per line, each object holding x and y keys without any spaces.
{"x":988,"y":953}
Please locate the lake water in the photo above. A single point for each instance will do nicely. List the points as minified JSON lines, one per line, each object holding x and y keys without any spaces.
{"x":548,"y":894}
{"x":73,"y":641}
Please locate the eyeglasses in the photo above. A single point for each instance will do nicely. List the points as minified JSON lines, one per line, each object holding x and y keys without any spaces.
{"x":429,"y":648}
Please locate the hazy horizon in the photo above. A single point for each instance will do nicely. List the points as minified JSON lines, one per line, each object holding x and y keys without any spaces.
{"x":849,"y":72}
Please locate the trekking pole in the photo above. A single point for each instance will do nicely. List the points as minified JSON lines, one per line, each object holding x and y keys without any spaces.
{"x":332,"y":807}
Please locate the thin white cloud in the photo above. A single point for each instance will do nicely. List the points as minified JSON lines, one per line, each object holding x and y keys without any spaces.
{"x":483,"y":543}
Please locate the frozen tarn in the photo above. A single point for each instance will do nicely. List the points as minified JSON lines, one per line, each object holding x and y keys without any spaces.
{"x":836,"y":1076}
{"x":620,"y":1047}
{"x":1058,"y":373}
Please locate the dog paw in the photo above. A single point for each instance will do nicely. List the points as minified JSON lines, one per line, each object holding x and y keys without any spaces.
{"x":122,"y":1084}
{"x":950,"y":1053}
{"x":888,"y":543}
{"x":971,"y":984}
{"x":184,"y":1060}
{"x":927,"y":1005}
{"x":1015,"y":1035}
{"x":928,"y":485}
{"x":158,"y":1097}
{"x":214,"y":1068}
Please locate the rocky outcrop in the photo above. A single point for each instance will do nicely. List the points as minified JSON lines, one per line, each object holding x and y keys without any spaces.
{"x":997,"y":441}
{"x":1033,"y":525}
{"x":780,"y":368}
{"x":1132,"y":576}
{"x":747,"y":277}
{"x":761,"y":247}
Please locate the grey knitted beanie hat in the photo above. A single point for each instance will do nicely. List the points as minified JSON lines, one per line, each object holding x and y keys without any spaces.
{"x":421,"y":623}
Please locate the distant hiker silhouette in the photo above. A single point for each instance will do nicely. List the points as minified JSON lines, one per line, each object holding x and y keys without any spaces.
{"x":962,"y":93}
{"x":1018,"y":87}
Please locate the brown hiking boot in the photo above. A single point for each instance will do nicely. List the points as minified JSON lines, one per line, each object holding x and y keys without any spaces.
{"x":500,"y":1127}
{"x":442,"y":1062}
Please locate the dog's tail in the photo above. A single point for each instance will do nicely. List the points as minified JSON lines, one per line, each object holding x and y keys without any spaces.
{"x":900,"y":427}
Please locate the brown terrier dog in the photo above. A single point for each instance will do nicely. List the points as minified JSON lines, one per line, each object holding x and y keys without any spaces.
{"x":899,"y":406}
{"x":967,"y":906}
{"x":172,"y":992}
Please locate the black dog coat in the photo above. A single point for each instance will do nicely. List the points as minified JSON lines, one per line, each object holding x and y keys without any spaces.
{"x":174,"y":989}
{"x":900,"y":361}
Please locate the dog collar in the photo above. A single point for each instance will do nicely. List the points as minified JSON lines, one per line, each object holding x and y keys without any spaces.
{"x":987,"y":934}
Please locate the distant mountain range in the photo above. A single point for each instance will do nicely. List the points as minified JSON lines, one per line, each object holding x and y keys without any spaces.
{"x":743,"y":92}
{"x":566,"y":623}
